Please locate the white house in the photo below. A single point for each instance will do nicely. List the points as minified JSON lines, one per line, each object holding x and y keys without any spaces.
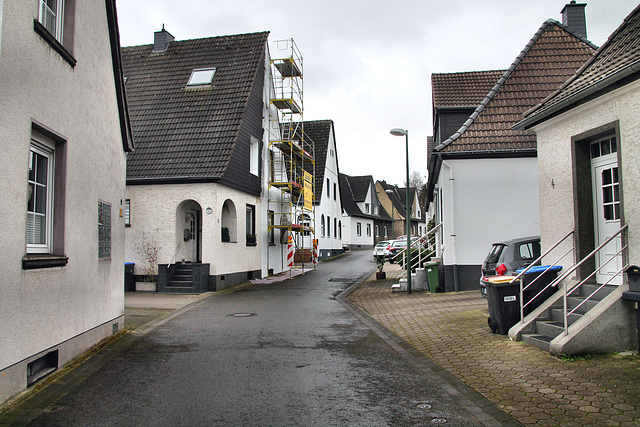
{"x":588,"y":136}
{"x":198,"y":181}
{"x":65,"y":132}
{"x":483,"y":178}
{"x":327,"y":200}
{"x":361,"y":210}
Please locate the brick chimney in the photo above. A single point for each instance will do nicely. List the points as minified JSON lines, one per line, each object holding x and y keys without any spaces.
{"x":161,"y":40}
{"x":573,"y":16}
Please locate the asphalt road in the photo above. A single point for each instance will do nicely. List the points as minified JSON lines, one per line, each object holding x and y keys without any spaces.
{"x":282,"y":354}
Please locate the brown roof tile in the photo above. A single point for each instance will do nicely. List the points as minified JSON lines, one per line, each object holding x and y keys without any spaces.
{"x":551,"y":57}
{"x":464,"y":89}
{"x":621,"y":50}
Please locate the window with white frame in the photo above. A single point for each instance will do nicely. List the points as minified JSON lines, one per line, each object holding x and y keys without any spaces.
{"x":339,"y":229}
{"x":328,"y":188}
{"x":254,"y":156}
{"x":251,"y":225}
{"x":51,"y":16}
{"x":335,"y":228}
{"x":328,"y":226}
{"x":127,"y":213}
{"x":366,"y":208}
{"x":55,"y":24}
{"x":335,"y":191}
{"x":386,"y":232}
{"x":369,"y":230}
{"x":271,"y":240}
{"x":322,"y":229}
{"x":377,"y":230}
{"x":40,"y":205}
{"x":358,"y":229}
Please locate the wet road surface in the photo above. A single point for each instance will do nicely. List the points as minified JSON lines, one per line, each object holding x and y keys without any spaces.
{"x":281,"y":354}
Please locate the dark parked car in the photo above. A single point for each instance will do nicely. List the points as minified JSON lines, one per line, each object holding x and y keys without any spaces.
{"x":507,"y":256}
{"x":395,"y":248}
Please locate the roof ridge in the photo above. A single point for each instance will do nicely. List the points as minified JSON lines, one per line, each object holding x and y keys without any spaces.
{"x":596,"y":55}
{"x":480,"y":108}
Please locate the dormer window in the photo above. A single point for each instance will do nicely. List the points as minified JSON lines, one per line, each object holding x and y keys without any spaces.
{"x":201,"y":77}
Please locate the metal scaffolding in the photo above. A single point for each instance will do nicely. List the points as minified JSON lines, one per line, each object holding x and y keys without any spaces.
{"x":291,"y":154}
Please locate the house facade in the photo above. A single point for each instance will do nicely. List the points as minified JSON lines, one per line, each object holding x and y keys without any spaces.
{"x":196,"y":182}
{"x":588,"y":146}
{"x":361,"y":211}
{"x":483,"y":178}
{"x":393,"y":201}
{"x":63,"y":252}
{"x":327,"y":191}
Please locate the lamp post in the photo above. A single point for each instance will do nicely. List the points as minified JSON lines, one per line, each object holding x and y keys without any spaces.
{"x":405,"y":133}
{"x":393,"y":220}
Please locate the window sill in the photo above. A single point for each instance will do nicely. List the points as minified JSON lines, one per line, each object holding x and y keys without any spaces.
{"x":34,"y":261}
{"x":252,"y":244}
{"x":55,"y":44}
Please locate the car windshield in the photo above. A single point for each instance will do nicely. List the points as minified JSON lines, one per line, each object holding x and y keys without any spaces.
{"x":494,"y":255}
{"x":400,"y":243}
{"x":382,"y":245}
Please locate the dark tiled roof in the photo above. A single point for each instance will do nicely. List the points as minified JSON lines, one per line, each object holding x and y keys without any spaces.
{"x":466,"y":89}
{"x":619,"y":52}
{"x":551,"y":57}
{"x":189,"y":133}
{"x":351,"y":189}
{"x":397,"y":197}
{"x":319,"y":131}
{"x":360,"y":186}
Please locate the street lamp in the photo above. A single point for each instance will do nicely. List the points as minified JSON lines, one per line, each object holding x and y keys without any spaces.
{"x":393,"y":220}
{"x":405,"y":133}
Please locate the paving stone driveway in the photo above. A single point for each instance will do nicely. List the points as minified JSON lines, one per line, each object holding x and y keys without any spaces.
{"x":527,"y":383}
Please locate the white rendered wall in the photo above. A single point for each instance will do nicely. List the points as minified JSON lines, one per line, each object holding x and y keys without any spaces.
{"x":329,"y":206}
{"x":493,"y":199}
{"x":42,"y":308}
{"x":554,"y":148}
{"x":153,"y":211}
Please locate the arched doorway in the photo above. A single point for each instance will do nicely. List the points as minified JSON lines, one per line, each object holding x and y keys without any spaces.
{"x":189,"y":231}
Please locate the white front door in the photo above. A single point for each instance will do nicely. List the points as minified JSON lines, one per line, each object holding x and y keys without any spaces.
{"x":193,"y":230}
{"x":606,"y":195}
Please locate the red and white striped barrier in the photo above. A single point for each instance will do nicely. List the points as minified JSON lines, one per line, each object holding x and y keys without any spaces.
{"x":290,"y":252}
{"x":315,"y":251}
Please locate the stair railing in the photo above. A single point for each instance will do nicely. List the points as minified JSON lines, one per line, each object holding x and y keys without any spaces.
{"x":427,"y":246}
{"x":566,"y":312}
{"x":533,"y":264}
{"x":174,"y":255}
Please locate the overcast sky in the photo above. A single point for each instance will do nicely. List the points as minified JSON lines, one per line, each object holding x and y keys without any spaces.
{"x":368,"y":63}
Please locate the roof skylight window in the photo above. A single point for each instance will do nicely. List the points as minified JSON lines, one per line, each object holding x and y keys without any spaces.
{"x":201,"y":77}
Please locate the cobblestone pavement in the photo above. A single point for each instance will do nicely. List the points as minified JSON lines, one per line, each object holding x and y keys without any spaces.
{"x":527,"y":383}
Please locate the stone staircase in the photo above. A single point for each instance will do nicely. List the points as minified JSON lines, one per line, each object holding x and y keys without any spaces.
{"x":550,"y":324}
{"x":183,"y":278}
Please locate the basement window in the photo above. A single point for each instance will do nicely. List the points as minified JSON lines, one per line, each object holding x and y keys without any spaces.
{"x":201,"y":77}
{"x":41,"y":367}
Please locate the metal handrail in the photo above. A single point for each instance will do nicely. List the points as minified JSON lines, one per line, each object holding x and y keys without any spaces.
{"x":429,"y":251}
{"x":174,"y":255}
{"x":533,"y":264}
{"x":575,"y":267}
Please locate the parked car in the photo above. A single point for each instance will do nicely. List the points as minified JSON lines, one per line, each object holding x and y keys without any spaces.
{"x":381,"y":248}
{"x":507,"y":256}
{"x":394,"y":248}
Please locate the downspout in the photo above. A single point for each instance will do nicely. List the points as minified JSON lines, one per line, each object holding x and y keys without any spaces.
{"x":452,"y":228}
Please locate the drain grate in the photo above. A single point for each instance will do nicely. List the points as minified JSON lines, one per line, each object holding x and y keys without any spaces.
{"x":242,"y":314}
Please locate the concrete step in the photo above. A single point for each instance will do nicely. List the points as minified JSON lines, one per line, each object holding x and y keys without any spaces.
{"x":550,"y":329}
{"x":540,"y":341}
{"x":589,"y":288}
{"x":557,"y":315}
